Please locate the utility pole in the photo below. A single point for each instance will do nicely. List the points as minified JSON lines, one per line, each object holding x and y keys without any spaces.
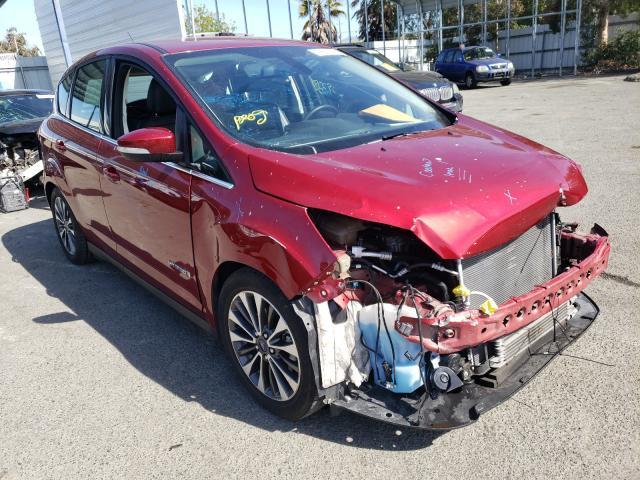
{"x":193,"y":22}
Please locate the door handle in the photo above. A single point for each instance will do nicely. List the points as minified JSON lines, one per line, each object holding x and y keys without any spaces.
{"x":111,"y":173}
{"x":59,"y":145}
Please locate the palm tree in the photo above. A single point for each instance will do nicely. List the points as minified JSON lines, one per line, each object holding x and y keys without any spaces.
{"x":319,"y":27}
{"x":370,"y":18}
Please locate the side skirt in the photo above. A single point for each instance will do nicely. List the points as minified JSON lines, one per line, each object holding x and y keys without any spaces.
{"x":199,"y":321}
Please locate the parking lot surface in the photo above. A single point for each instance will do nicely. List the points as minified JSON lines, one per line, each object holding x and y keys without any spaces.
{"x":98,"y":379}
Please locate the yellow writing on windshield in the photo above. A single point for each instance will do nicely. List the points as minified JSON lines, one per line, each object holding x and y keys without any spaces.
{"x":258,"y":116}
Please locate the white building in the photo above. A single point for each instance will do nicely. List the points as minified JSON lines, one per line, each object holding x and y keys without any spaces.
{"x":72,"y":28}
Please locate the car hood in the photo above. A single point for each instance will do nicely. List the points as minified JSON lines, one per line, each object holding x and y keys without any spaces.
{"x":20,"y":127}
{"x":421,"y":79}
{"x":462,"y":190}
{"x":489,"y":61}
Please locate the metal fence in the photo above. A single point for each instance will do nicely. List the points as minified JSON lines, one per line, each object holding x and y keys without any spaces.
{"x":534,"y":34}
{"x":524,"y":35}
{"x":551,"y":53}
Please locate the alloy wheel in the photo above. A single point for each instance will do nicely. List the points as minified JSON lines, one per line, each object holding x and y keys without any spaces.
{"x":264,"y":346}
{"x":64,"y":225}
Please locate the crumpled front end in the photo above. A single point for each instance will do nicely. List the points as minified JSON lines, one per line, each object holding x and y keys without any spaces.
{"x":409,"y":338}
{"x":20,"y":152}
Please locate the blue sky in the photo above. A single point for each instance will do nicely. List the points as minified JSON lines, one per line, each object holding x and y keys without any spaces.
{"x":21,"y":14}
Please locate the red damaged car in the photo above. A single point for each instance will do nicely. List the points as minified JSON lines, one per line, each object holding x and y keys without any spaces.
{"x":352,"y":243}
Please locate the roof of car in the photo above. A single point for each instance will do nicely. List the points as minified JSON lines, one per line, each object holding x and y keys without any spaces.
{"x":464,"y":49}
{"x":33,"y":91}
{"x":180,"y":46}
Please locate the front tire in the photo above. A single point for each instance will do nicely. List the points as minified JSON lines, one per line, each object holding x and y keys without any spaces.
{"x":267,"y":344}
{"x":69,"y":233}
{"x":470,"y":81}
{"x":505,"y":82}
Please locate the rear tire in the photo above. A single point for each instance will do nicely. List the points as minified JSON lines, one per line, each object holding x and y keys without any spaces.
{"x":267,"y":344}
{"x":69,"y":233}
{"x":505,"y":82}
{"x":470,"y":81}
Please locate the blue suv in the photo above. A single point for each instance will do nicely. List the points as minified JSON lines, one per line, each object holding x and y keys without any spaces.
{"x":471,"y":65}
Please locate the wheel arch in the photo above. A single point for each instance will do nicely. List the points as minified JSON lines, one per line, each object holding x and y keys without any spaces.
{"x":227,"y":268}
{"x":222,"y":273}
{"x":49,"y":187}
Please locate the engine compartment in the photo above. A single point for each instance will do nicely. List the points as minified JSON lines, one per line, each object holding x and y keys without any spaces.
{"x":387,"y":256}
{"x":415,"y":329}
{"x":20,"y":156}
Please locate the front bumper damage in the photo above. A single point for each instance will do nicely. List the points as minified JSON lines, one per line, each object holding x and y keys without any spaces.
{"x":465,"y":405}
{"x":514,"y":342}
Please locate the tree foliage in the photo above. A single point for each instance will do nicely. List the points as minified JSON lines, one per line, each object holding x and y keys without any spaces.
{"x":622,"y":53}
{"x":16,"y":42}
{"x":369,"y":18}
{"x":597,"y":13}
{"x":319,"y":27}
{"x":205,"y":21}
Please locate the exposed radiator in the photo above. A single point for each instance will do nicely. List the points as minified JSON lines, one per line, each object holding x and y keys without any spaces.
{"x":505,"y":349}
{"x":514,"y":268}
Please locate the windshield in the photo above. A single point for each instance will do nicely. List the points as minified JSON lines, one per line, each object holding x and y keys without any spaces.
{"x":14,"y":108}
{"x":479,"y":53}
{"x":373,"y":57}
{"x":302,"y":99}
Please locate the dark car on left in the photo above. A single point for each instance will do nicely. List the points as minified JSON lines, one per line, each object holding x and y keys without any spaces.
{"x":431,"y":85}
{"x":21,"y":113}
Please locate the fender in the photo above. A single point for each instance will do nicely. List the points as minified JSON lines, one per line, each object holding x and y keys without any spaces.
{"x":226,"y":229}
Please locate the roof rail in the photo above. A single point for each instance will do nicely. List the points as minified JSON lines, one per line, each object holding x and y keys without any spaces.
{"x":214,"y":35}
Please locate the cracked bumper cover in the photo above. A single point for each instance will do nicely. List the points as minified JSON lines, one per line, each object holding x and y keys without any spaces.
{"x":459,"y":408}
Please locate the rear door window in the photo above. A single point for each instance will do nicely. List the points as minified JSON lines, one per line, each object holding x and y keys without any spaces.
{"x":449,"y":57}
{"x":86,"y":96}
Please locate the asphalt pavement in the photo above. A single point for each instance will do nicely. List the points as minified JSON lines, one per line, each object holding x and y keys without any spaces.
{"x":98,"y":379}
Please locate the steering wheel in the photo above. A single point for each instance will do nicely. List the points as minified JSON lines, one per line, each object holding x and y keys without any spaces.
{"x":319,"y":108}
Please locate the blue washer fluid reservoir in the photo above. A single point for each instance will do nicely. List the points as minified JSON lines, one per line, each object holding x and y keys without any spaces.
{"x":407,"y":354}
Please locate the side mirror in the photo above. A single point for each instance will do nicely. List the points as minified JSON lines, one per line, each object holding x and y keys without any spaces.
{"x":149,"y":145}
{"x":499,"y":55}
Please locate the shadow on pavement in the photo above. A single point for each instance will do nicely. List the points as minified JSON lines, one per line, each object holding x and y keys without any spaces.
{"x":171,"y":351}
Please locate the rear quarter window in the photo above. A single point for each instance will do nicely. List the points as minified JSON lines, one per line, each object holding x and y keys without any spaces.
{"x":62,"y":96}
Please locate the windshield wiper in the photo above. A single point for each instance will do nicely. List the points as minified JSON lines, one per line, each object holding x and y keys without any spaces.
{"x":400,"y":134}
